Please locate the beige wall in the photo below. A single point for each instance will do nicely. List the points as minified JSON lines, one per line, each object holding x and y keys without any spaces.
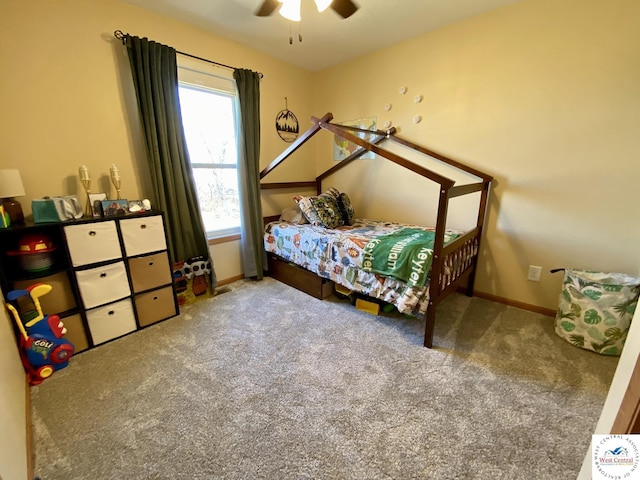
{"x":541,"y":94}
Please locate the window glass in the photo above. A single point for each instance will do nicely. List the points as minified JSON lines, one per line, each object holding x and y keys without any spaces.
{"x":208,"y":117}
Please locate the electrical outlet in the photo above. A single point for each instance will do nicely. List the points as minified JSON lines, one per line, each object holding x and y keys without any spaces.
{"x":534,"y":273}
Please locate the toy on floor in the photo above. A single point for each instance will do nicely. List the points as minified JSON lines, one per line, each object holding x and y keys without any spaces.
{"x":43,"y":349}
{"x":197,"y":268}
{"x":180,"y":284}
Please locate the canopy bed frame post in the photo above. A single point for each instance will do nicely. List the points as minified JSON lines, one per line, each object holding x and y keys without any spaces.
{"x":479,"y":225}
{"x":436,"y":268}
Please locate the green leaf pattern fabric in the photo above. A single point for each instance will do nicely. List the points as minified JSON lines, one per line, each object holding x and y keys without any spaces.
{"x":595,"y":309}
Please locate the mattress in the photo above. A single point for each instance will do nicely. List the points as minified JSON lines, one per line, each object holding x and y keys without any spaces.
{"x":343,"y":255}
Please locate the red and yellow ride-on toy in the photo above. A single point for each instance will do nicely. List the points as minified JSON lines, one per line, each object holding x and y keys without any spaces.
{"x":43,"y":349}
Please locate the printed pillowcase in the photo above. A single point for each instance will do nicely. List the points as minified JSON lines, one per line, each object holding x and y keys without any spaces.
{"x":321,"y":210}
{"x":346,"y":209}
{"x":307,"y":210}
{"x":326,"y":207}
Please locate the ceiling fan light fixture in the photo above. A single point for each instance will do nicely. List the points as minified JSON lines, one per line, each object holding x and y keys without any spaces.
{"x":322,"y":5}
{"x":290,"y":10}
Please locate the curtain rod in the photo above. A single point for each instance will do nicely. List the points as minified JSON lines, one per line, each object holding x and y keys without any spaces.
{"x":123,"y":36}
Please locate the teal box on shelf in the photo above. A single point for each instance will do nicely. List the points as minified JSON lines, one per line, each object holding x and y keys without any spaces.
{"x":56,"y":209}
{"x":44,"y":210}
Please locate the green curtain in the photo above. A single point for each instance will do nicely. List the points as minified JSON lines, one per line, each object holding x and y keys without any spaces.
{"x":155,"y":77}
{"x":248,"y":84}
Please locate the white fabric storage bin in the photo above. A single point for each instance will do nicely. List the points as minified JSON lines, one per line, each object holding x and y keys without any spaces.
{"x":143,"y":235}
{"x":103,"y":284}
{"x":93,"y":242}
{"x":111,"y":321}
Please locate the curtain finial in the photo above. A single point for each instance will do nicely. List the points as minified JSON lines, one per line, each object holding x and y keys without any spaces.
{"x":121,"y":36}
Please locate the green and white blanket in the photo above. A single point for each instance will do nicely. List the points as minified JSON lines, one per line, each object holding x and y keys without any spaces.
{"x":405,"y":255}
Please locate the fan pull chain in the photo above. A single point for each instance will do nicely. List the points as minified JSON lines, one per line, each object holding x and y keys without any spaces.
{"x":299,"y":34}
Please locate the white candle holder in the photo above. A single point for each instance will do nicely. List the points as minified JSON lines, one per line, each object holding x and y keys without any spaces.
{"x":115,"y":179}
{"x":85,"y":180}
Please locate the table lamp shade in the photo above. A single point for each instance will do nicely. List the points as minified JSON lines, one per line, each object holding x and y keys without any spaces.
{"x":11,"y":186}
{"x":11,"y":183}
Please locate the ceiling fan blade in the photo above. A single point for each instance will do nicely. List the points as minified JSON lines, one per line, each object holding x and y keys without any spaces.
{"x":267,"y":8}
{"x":344,"y":8}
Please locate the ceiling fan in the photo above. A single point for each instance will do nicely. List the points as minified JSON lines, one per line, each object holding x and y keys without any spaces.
{"x":344,"y":8}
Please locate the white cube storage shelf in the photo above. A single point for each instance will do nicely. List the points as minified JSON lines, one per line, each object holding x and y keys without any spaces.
{"x":123,"y":274}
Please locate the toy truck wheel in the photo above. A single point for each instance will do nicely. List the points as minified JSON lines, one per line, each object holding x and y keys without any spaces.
{"x":62,"y":353}
{"x":45,"y":371}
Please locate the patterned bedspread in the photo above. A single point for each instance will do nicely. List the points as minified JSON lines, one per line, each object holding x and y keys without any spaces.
{"x":340,"y":255}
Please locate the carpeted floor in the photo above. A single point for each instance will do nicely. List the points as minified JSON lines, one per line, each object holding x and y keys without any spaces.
{"x":265,"y":382}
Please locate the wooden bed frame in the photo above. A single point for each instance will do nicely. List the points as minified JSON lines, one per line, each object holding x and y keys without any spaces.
{"x":462,"y":265}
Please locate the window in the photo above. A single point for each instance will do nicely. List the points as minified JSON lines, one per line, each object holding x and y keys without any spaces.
{"x":208,"y":105}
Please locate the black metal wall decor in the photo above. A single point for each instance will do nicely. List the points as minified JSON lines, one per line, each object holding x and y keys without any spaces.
{"x":287,"y":124}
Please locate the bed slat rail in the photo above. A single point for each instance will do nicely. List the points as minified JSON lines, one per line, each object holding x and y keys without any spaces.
{"x":459,"y":241}
{"x":457,"y":262}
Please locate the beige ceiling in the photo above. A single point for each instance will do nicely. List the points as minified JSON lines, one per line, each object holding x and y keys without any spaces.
{"x":327,"y":39}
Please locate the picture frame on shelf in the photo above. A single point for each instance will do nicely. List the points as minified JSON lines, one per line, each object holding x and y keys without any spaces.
{"x":137,"y":206}
{"x":96,"y":200}
{"x":115,"y":208}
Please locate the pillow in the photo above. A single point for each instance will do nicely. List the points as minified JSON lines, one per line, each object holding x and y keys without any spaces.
{"x":346,"y":209}
{"x":327,"y":209}
{"x":293,"y":215}
{"x":333,"y":192}
{"x":308,"y":210}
